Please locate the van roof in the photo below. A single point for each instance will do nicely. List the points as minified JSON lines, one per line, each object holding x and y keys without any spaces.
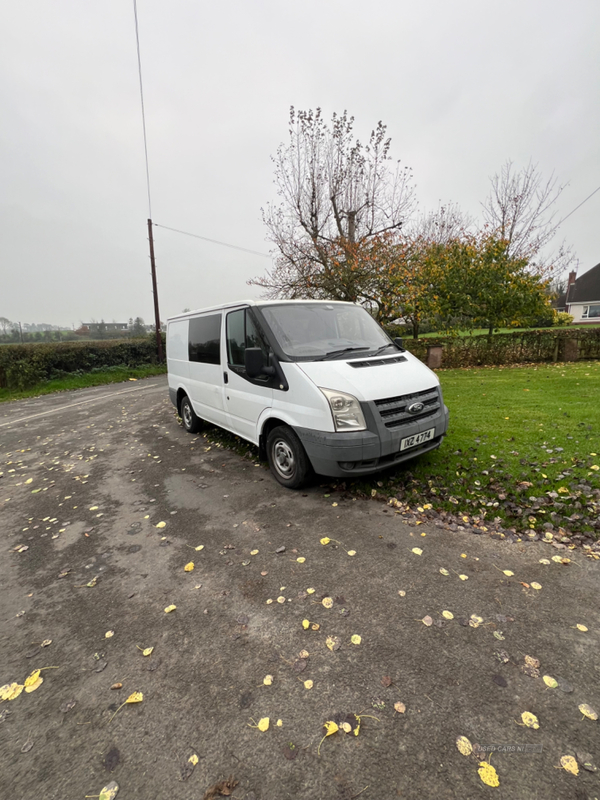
{"x":253,"y":303}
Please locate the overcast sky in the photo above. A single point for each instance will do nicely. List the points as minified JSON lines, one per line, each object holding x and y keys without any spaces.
{"x":462,"y":86}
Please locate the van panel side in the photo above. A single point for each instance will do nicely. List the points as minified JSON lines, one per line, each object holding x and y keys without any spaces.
{"x":177,"y":357}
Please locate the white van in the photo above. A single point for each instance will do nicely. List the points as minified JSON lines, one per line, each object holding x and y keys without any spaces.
{"x":315,"y":384}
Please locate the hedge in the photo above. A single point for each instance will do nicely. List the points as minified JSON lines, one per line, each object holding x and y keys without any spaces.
{"x":520,"y":347}
{"x":25,"y":365}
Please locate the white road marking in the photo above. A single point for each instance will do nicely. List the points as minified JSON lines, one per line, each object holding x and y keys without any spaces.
{"x":72,"y":405}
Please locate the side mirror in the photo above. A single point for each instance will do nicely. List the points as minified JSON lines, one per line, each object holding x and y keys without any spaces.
{"x":398,"y":341}
{"x":254,"y":361}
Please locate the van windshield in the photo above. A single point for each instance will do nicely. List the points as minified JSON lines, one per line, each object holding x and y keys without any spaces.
{"x":321,"y":331}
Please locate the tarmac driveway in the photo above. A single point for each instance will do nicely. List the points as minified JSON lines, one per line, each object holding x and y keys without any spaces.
{"x":104,"y":500}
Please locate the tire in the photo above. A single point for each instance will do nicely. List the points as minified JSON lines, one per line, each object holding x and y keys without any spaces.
{"x":188,"y":416}
{"x":287,"y":458}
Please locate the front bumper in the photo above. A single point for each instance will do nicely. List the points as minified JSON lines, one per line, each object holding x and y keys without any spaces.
{"x":365,"y":452}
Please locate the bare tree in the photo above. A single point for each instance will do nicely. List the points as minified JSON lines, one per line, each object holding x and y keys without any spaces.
{"x":442,"y":226}
{"x":335,"y":193}
{"x":521,"y":209}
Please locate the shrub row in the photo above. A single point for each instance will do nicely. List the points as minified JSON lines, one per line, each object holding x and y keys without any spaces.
{"x":520,"y":347}
{"x":25,"y":365}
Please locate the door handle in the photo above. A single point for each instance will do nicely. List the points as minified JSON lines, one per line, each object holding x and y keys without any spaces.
{"x":225,"y":378}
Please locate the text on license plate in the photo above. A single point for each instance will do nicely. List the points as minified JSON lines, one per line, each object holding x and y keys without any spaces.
{"x":418,"y":438}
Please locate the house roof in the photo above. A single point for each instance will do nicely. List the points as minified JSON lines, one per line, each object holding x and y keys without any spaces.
{"x":586,"y":288}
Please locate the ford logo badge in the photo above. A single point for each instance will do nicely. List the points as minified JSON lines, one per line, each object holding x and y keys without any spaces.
{"x":416,"y":408}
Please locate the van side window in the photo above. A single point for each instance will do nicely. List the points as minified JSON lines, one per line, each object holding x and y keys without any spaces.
{"x":204,"y":343}
{"x":241,"y":333}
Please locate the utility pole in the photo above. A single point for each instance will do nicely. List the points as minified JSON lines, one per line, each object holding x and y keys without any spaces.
{"x":159,"y":346}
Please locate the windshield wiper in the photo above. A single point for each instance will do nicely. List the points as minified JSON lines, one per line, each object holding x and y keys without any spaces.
{"x":384,"y":347}
{"x":334,"y":353}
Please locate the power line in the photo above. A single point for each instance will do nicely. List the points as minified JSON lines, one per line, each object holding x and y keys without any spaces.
{"x":137,"y":39}
{"x":214,"y":241}
{"x":579,"y":206}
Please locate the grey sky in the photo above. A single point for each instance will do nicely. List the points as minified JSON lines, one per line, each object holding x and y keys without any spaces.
{"x":461,"y":85}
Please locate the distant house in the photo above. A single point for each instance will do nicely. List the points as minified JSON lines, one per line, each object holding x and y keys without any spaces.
{"x":582,"y":299}
{"x":95,"y":327}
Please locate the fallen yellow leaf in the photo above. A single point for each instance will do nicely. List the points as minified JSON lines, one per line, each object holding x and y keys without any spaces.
{"x":447,"y":615}
{"x":268,"y":680}
{"x":301,"y":560}
{"x":109,"y":634}
{"x":31,"y":679}
{"x":581,"y":628}
{"x":550,"y":682}
{"x":193,"y":759}
{"x":15,"y":691}
{"x":147,"y":651}
{"x":569,"y":763}
{"x":161,"y":525}
{"x":189,"y":566}
{"x":262,"y":724}
{"x":535,"y":585}
{"x":585,"y":709}
{"x":306,"y":624}
{"x":417,"y":551}
{"x":35,"y":685}
{"x":464,"y":745}
{"x":530,"y":720}
{"x":310,"y":591}
{"x":201,"y":547}
{"x":308,"y":684}
{"x":168,"y":609}
{"x":325,"y":540}
{"x":351,"y":552}
{"x":488,"y":774}
{"x":400,"y":707}
{"x":327,"y":602}
{"x":355,"y":638}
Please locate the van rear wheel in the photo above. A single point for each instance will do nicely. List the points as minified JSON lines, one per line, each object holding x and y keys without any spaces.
{"x":287,"y":458}
{"x":188,"y":416}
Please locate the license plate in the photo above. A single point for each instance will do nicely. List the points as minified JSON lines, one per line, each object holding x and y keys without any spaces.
{"x":418,"y":438}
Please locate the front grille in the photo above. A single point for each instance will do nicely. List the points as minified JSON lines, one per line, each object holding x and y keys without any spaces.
{"x":394,"y":410}
{"x":378,"y":363}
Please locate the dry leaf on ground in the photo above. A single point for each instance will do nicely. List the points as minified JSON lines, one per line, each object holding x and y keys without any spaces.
{"x":488,"y":774}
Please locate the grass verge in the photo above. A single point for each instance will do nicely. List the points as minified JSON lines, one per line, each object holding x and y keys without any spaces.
{"x":84,"y":380}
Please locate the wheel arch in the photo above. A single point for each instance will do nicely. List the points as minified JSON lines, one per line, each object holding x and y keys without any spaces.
{"x":266,"y":427}
{"x":181,"y":393}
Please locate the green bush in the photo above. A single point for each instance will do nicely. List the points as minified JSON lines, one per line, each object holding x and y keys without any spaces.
{"x":25,"y":365}
{"x":561,"y":318}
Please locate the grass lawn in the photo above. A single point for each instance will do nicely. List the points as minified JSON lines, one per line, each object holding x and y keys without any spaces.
{"x":523,"y":445}
{"x":523,"y":448}
{"x":82,"y":381}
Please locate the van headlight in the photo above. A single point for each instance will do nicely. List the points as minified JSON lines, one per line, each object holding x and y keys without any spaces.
{"x":346,"y":411}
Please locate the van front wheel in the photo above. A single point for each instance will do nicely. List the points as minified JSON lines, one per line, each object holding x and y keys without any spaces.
{"x":188,"y":416}
{"x":287,"y":459}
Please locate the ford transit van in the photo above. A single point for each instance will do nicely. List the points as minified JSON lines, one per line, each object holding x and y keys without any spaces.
{"x":317,"y":385}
